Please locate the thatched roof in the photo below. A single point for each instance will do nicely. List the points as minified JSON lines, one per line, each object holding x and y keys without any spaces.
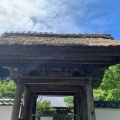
{"x":58,"y":39}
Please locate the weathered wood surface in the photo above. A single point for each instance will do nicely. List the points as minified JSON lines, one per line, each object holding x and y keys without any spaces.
{"x":75,"y":107}
{"x":90,"y":102}
{"x":26,"y":99}
{"x":28,"y":104}
{"x":34,"y":105}
{"x":55,"y":88}
{"x":56,"y":80}
{"x":17,"y":101}
{"x":56,"y":93}
{"x":83,"y":105}
{"x":78,"y":107}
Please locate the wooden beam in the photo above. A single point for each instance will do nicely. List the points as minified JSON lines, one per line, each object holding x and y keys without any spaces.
{"x":55,"y":88}
{"x":47,"y":80}
{"x":37,"y":65}
{"x":60,"y":65}
{"x":17,"y":101}
{"x":59,"y":51}
{"x":84,"y":60}
{"x":54,"y":80}
{"x":56,"y":93}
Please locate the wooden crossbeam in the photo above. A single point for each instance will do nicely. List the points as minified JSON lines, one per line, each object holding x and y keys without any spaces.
{"x":60,"y":93}
{"x":54,"y":88}
{"x":59,"y":50}
{"x":68,"y":60}
{"x":47,"y":66}
{"x":54,"y":80}
{"x":47,"y":60}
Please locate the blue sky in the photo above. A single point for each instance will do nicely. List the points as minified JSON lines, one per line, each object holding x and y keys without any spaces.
{"x":61,"y":16}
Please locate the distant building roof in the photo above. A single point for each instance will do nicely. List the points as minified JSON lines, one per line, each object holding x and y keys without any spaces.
{"x":6,"y":102}
{"x":59,"y":102}
{"x":107,"y":104}
{"x":55,"y":101}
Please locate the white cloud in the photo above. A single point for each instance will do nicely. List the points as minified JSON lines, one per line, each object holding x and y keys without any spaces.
{"x":49,"y":15}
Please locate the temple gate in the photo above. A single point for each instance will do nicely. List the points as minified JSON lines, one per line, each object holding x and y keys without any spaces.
{"x":57,"y":64}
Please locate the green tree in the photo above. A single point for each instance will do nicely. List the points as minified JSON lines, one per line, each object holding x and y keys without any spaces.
{"x":7,"y":89}
{"x":69,"y":101}
{"x":44,"y":108}
{"x":109,"y":89}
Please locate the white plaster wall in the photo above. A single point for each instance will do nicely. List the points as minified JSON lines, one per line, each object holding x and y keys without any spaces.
{"x":5,"y":112}
{"x":107,"y":114}
{"x":101,"y":113}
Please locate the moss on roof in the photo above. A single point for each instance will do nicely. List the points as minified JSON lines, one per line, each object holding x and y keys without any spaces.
{"x":58,"y":39}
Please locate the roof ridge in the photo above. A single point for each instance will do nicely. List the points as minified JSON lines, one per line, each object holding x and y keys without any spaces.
{"x":50,"y":34}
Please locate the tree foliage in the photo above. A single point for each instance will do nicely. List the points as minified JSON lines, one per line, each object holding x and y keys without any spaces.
{"x":7,"y":89}
{"x":109,"y":89}
{"x":44,"y":108}
{"x":69,"y":101}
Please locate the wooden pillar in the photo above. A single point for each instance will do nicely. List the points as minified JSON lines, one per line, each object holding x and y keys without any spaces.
{"x":17,"y":101}
{"x":26,"y":99}
{"x":90,"y":102}
{"x":83,"y":105}
{"x":34,"y":105}
{"x":29,"y":116}
{"x":28,"y":103}
{"x":77,"y":106}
